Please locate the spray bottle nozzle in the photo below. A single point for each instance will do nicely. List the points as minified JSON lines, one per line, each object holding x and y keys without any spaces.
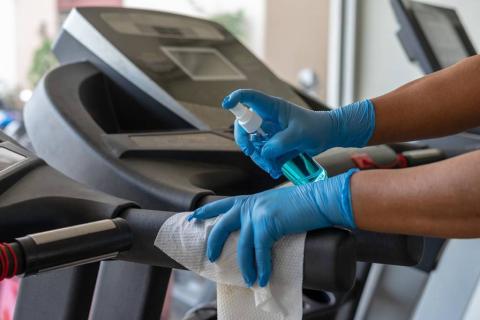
{"x":247,"y":118}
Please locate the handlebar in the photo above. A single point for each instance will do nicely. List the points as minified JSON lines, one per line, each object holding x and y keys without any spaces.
{"x":65,"y":247}
{"x":131,"y":238}
{"x":329,"y":258}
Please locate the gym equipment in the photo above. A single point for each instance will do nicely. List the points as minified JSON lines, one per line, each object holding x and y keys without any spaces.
{"x":72,"y":225}
{"x":134,"y":111}
{"x":68,"y":225}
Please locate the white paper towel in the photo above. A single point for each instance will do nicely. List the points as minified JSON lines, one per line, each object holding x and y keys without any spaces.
{"x":185,"y":242}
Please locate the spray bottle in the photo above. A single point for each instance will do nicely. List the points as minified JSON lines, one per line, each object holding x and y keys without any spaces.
{"x":301,"y":169}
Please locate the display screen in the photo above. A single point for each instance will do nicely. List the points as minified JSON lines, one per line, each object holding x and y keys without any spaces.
{"x":441,"y":34}
{"x":203,"y":64}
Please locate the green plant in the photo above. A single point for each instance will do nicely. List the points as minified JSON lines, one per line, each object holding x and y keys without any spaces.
{"x":235,"y":22}
{"x":42,"y":62}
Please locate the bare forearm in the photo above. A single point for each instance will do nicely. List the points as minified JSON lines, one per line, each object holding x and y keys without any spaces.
{"x":442,"y":103}
{"x":441,"y":199}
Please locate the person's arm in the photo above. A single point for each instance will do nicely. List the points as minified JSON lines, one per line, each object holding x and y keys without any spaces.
{"x":439,"y":104}
{"x":440,"y":199}
{"x":442,"y":103}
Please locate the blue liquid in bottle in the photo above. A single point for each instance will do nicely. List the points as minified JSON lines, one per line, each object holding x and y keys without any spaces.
{"x":301,"y":169}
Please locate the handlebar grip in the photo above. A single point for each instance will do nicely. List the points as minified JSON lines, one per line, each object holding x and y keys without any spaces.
{"x":329,"y":256}
{"x":70,"y":246}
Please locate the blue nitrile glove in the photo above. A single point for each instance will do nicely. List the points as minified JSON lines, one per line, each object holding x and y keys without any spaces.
{"x":301,"y":130}
{"x":265,"y":217}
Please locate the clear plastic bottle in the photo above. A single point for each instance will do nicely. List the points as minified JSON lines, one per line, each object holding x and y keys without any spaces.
{"x":299,"y":170}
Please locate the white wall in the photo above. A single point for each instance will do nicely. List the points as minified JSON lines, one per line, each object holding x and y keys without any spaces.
{"x":253,"y":9}
{"x":297,"y":38}
{"x":30,"y":16}
{"x":381,"y":62}
{"x":7,"y":43}
{"x":20,"y":22}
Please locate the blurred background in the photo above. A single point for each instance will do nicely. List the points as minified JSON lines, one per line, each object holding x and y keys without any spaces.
{"x":270,"y":28}
{"x":337,"y":50}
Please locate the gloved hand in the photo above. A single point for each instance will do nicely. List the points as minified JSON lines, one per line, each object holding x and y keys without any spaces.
{"x":265,"y":217}
{"x":301,"y":130}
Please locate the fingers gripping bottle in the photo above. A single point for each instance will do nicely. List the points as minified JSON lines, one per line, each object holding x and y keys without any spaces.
{"x":301,"y":169}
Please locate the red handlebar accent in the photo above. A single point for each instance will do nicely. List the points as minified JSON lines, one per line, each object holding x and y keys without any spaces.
{"x":4,"y":261}
{"x":7,"y":258}
{"x":364,"y":162}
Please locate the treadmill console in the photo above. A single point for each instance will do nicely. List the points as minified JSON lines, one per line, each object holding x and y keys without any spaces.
{"x":181,"y":65}
{"x":431,"y":35}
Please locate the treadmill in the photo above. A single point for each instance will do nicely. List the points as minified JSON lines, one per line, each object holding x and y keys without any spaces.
{"x":133,"y":111}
